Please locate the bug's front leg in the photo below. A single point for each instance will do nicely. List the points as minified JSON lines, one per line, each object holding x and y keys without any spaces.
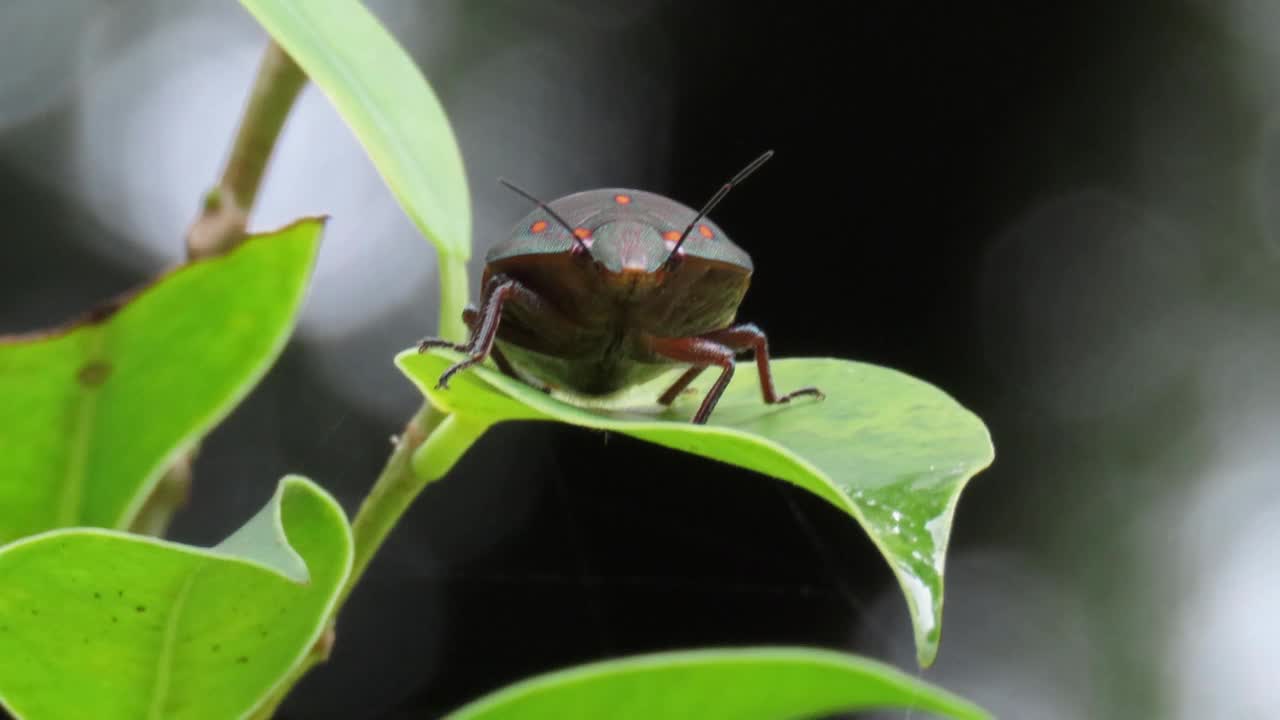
{"x":469,"y":317}
{"x":748,"y":337}
{"x":483,"y":324}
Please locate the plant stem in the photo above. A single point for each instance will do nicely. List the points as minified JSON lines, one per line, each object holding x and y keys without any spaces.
{"x":431,"y":442}
{"x":454,"y":293}
{"x":429,"y":446}
{"x":221,"y":226}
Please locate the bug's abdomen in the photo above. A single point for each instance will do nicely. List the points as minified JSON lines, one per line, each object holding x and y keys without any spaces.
{"x":593,"y":376}
{"x":696,"y":299}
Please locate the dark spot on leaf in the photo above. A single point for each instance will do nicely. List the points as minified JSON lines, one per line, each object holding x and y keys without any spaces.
{"x":242,"y":659}
{"x":97,"y":596}
{"x":35,"y":611}
{"x":94,"y":374}
{"x":104,"y":311}
{"x":119,"y":593}
{"x":216,"y":647}
{"x":141,"y":608}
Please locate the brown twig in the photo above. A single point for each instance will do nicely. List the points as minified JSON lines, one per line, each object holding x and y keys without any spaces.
{"x":221,"y":226}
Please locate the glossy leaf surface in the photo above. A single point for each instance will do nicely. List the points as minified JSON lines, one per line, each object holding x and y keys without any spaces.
{"x":890,"y":450}
{"x":738,"y":684}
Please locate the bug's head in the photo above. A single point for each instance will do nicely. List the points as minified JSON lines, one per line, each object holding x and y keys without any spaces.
{"x":628,"y":247}
{"x":631,"y":247}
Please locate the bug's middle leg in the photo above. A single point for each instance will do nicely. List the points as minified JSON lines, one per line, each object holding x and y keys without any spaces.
{"x":700,"y":352}
{"x":749,"y":338}
{"x":680,"y":384}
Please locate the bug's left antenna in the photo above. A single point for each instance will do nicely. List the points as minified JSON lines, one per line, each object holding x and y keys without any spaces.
{"x":547,"y":208}
{"x":715,"y":199}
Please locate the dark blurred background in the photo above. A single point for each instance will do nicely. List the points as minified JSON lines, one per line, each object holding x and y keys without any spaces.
{"x":1061,"y":213}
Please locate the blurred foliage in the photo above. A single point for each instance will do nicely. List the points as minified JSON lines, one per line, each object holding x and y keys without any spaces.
{"x":138,"y":628}
{"x":94,"y":412}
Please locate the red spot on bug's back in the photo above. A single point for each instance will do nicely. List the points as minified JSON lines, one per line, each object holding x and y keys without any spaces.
{"x":671,"y":236}
{"x":622,"y":199}
{"x":582,"y":233}
{"x":705,"y":232}
{"x":538,"y":227}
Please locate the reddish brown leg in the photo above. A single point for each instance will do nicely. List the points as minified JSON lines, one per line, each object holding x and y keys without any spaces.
{"x":471,"y":316}
{"x":700,"y":352}
{"x":678,"y":387}
{"x":748,"y":337}
{"x":484,"y":324}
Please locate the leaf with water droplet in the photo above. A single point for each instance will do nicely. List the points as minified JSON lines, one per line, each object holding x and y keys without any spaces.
{"x":892,"y":451}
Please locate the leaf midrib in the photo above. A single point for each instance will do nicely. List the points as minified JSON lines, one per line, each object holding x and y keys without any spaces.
{"x":164,"y":664}
{"x":81,"y":436}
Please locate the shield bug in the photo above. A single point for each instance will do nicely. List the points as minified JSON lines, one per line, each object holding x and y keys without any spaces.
{"x":603,"y":289}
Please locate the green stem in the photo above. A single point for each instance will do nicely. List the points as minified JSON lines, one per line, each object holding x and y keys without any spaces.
{"x":454,"y":294}
{"x":430,"y":445}
{"x":432,"y":442}
{"x":221,"y":226}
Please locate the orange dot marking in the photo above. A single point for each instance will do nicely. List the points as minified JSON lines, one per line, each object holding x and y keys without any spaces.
{"x":622,"y":199}
{"x":672,"y":235}
{"x":582,"y":233}
{"x":538,"y":227}
{"x":705,"y":231}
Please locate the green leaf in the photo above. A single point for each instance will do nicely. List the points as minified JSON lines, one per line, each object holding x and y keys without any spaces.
{"x":890,"y":450}
{"x":92,"y":414}
{"x":103,"y":624}
{"x":388,"y":104}
{"x":764,"y":683}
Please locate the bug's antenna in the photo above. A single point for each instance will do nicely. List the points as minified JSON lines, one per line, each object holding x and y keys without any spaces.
{"x":548,"y":210}
{"x":715,"y":199}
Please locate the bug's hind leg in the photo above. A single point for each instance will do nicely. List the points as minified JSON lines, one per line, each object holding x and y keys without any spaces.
{"x":749,"y":338}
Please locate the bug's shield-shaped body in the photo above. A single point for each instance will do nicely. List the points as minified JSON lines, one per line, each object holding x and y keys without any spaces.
{"x":602,"y":305}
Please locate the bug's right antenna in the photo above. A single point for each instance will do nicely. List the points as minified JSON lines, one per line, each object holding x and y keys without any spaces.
{"x":548,"y":210}
{"x":715,"y":199}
